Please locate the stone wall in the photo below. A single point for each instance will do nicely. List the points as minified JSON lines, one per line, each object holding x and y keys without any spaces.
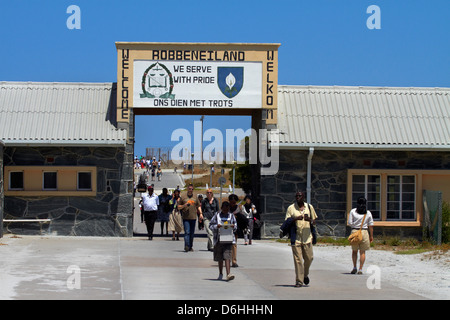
{"x":329,"y":183}
{"x":109,"y":213}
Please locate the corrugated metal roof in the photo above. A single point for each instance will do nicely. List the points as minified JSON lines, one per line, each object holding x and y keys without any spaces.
{"x":364,"y":117}
{"x":38,"y":113}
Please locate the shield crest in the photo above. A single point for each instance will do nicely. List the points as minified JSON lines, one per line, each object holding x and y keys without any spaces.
{"x":230,"y":80}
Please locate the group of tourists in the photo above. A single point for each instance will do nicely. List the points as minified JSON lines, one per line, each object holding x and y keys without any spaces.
{"x":151,"y":166}
{"x":181,"y":214}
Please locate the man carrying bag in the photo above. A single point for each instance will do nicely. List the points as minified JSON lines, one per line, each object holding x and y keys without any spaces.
{"x":224,"y":226}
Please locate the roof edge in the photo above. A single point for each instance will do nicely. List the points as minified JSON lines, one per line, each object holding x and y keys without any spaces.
{"x":291,"y":146}
{"x":337,"y":87}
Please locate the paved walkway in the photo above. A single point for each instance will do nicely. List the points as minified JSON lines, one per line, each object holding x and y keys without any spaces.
{"x":135,"y":268}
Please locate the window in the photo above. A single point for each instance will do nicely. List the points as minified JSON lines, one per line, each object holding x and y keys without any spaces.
{"x":368,"y":186}
{"x":84,"y":181}
{"x":49,"y":181}
{"x":401,"y":195}
{"x":392,"y":195}
{"x":16,"y":180}
{"x":44,"y":181}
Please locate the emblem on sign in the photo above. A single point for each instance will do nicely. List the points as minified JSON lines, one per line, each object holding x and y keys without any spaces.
{"x":157,"y":82}
{"x":230,"y":80}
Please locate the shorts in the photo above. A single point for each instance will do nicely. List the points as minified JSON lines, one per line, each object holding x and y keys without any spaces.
{"x":222,"y":251}
{"x":364,"y":245}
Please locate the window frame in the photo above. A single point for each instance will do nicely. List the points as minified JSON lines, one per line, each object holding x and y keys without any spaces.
{"x":401,"y":211}
{"x":33,"y":181}
{"x":78,"y":181}
{"x":43,"y":180}
{"x":10,"y":180}
{"x":384,"y":221}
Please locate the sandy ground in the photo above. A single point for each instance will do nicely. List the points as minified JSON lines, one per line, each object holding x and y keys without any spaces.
{"x":426,"y":274}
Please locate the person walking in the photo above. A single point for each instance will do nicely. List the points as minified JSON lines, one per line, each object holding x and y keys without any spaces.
{"x":303,"y":215}
{"x":210,"y":206}
{"x":159,"y":173}
{"x":224,"y":226}
{"x":150,"y":202}
{"x":164,"y":210}
{"x":361,"y":219}
{"x":201,"y":224}
{"x":189,"y":206}
{"x":235,"y":210}
{"x":249,"y":211}
{"x":175,"y":220}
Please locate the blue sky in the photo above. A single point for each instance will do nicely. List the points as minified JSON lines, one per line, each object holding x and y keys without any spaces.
{"x":323,"y":42}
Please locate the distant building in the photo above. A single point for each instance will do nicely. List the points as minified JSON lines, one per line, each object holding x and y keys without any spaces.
{"x":64,"y":159}
{"x":339,"y":143}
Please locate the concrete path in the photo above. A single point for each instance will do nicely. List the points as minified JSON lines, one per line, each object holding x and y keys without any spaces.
{"x":136,"y":268}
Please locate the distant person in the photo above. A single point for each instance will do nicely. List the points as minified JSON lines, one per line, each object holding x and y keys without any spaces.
{"x":150,"y":202}
{"x":189,"y":206}
{"x":201,"y":224}
{"x":361,"y":218}
{"x":164,"y":210}
{"x":303,"y":215}
{"x":175,"y":219}
{"x":248,"y":209}
{"x":235,"y":210}
{"x":153,"y":174}
{"x":224,"y":226}
{"x":159,"y":174}
{"x":210,"y":206}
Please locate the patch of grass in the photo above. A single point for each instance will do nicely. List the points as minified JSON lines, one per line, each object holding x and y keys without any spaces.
{"x":412,"y":251}
{"x":333,"y":241}
{"x":396,"y":244}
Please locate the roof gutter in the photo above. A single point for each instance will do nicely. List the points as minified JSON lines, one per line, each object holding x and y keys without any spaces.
{"x":386,"y":147}
{"x":56,"y":143}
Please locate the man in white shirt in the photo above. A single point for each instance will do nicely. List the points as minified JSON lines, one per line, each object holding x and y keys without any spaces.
{"x":150,"y":202}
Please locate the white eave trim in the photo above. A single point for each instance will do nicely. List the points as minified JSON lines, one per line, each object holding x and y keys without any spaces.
{"x":385,"y":147}
{"x":59,"y":143}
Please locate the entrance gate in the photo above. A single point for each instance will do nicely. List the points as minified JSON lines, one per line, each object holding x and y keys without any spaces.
{"x":198,"y":79}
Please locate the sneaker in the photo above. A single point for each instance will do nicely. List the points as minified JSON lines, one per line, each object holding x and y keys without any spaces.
{"x":186,"y":249}
{"x":230,"y":277}
{"x":306,"y":280}
{"x":353,"y":271}
{"x":220,"y":277}
{"x":298,"y":284}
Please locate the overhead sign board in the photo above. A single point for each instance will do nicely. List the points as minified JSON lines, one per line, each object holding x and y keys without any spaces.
{"x":198,"y":84}
{"x":196,"y":76}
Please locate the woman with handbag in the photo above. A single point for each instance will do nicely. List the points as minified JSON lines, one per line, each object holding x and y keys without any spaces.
{"x":361,"y":221}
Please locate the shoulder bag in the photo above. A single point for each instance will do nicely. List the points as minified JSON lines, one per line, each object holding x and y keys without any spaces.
{"x":356,"y":237}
